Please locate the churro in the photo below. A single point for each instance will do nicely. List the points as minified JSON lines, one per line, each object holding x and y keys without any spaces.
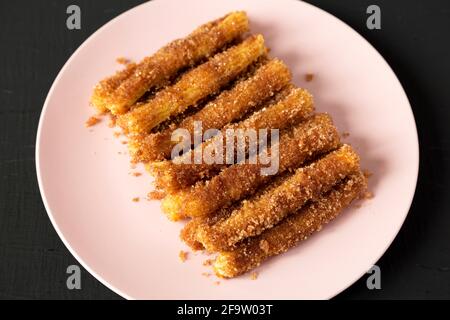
{"x":295,"y":106}
{"x":194,"y":85}
{"x":287,"y":234}
{"x":189,"y":233}
{"x":119,"y":92}
{"x":304,"y":142}
{"x":227,"y":107}
{"x":263,"y":212}
{"x":232,"y":144}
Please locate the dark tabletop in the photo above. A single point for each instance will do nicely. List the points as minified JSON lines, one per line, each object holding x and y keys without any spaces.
{"x":34,"y":45}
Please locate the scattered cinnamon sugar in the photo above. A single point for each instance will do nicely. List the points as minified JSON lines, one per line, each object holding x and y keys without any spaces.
{"x":156,"y":195}
{"x":345,"y":134}
{"x":92,"y":121}
{"x":309,"y":77}
{"x":183,"y":255}
{"x":208,"y":262}
{"x":123,"y":60}
{"x":133,"y":166}
{"x":117,"y":134}
{"x":367,"y":173}
{"x":112,"y":121}
{"x":206,"y":274}
{"x":217,"y":283}
{"x":136,"y":199}
{"x":254,"y":276}
{"x":368,"y":195}
{"x":136,"y":174}
{"x":358,"y":205}
{"x":124,"y":142}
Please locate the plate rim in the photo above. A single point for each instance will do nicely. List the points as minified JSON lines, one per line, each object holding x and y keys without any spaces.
{"x":130,"y":11}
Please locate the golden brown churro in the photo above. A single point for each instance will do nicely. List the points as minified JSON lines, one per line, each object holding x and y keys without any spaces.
{"x":298,"y":227}
{"x":296,"y":105}
{"x":189,"y":233}
{"x":194,"y":85}
{"x":263,"y":212}
{"x":121,"y":91}
{"x":227,"y":107}
{"x":316,"y":136}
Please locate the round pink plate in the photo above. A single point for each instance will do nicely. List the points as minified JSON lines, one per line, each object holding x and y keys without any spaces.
{"x":131,"y":247}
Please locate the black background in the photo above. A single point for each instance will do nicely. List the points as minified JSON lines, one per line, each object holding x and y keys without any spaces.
{"x":34,"y":45}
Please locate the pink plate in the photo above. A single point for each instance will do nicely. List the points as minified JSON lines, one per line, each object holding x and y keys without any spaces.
{"x":132,"y":248}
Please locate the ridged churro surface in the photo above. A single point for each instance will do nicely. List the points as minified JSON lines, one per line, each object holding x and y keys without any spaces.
{"x":263,"y":212}
{"x":227,"y":107}
{"x":193,"y":86}
{"x":121,"y":91}
{"x":298,"y":227}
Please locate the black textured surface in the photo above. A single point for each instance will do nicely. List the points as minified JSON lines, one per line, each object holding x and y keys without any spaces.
{"x":35,"y":44}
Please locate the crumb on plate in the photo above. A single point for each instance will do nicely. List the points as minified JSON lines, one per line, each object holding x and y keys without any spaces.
{"x":208,"y":262}
{"x":156,"y":195}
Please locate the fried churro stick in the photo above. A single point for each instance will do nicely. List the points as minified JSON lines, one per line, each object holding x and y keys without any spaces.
{"x":287,"y":234}
{"x":265,"y":211}
{"x":311,"y":138}
{"x":105,"y":88}
{"x":227,"y":107}
{"x":121,"y":91}
{"x":194,"y":85}
{"x":290,"y":110}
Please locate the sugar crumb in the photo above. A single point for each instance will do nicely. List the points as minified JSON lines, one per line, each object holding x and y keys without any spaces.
{"x":112,"y":121}
{"x":345,"y":134}
{"x":367,"y":173}
{"x":254,"y":276}
{"x":368,"y":195}
{"x":135,"y":199}
{"x":92,"y":121}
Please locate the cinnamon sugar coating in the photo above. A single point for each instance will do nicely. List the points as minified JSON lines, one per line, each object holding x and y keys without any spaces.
{"x":295,"y":106}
